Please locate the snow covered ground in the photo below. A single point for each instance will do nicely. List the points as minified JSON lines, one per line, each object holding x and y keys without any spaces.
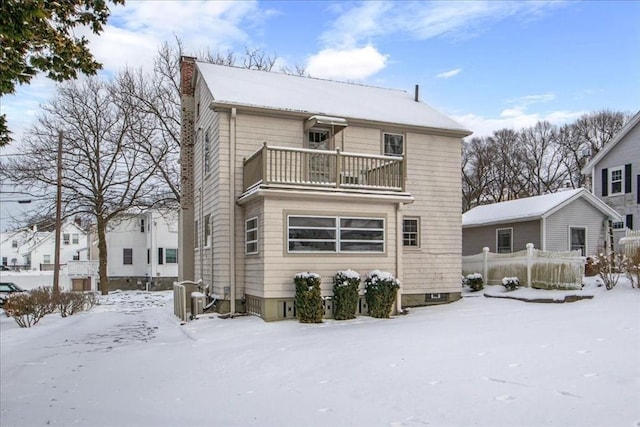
{"x":477,"y":362}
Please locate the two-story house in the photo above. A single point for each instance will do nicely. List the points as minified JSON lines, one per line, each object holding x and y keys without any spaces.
{"x":34,"y":250}
{"x":284,"y":173}
{"x":142,"y":250}
{"x":615,"y":177}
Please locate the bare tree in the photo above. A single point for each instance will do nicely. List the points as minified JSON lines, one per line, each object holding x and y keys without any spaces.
{"x":544,"y":172}
{"x":107,"y":169}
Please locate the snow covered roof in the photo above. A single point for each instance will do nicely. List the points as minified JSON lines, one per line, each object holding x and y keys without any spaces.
{"x":588,"y":168}
{"x":531,"y":208}
{"x":286,"y":92}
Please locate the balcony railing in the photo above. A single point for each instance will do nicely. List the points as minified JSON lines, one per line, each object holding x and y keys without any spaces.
{"x":323,"y":168}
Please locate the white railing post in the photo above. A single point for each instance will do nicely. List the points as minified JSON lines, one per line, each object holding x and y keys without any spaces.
{"x":529,"y":263}
{"x":485,"y":264}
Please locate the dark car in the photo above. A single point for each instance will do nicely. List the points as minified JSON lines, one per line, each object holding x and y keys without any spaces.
{"x":6,"y":289}
{"x":4,"y":268}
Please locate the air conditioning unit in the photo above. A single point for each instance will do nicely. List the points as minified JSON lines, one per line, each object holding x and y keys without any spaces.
{"x":197,"y":303}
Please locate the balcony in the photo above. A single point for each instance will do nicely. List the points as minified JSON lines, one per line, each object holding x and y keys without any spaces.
{"x":330,"y":169}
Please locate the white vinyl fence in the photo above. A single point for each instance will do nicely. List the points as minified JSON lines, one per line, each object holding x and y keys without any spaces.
{"x":534,"y":268}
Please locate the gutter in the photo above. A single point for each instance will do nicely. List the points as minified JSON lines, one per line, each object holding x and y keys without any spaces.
{"x":232,"y":212}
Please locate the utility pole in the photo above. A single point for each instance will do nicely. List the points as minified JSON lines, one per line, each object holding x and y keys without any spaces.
{"x":56,"y":265}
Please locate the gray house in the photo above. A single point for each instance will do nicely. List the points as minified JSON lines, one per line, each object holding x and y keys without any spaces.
{"x":563,"y":221}
{"x":615,"y":177}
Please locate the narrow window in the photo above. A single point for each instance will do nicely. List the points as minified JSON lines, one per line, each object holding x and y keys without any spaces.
{"x":196,"y":232}
{"x":14,"y":243}
{"x":207,"y":153}
{"x":410,"y":232}
{"x":629,"y":221}
{"x":66,"y":238}
{"x":148,"y":256}
{"x":46,"y":259}
{"x":251,"y":236}
{"x":618,"y":225}
{"x":75,"y":238}
{"x":127,"y":256}
{"x":207,"y":231}
{"x":578,"y":239}
{"x":142,"y":229}
{"x":504,"y":240}
{"x":171,"y":256}
{"x":160,"y":256}
{"x":393,"y":144}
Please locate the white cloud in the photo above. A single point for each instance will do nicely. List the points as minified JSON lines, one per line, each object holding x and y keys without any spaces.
{"x":346,"y":64}
{"x":353,"y":26}
{"x":513,"y":119}
{"x":449,"y":74}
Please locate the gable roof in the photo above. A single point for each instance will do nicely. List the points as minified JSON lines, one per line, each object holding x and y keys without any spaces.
{"x":531,"y":208}
{"x":236,"y":86}
{"x":588,"y":168}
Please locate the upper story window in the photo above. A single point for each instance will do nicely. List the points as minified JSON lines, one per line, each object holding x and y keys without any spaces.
{"x":616,"y":180}
{"x":393,"y":144}
{"x":207,"y":230}
{"x":504,"y":240}
{"x":171,"y":256}
{"x":75,"y":238}
{"x":66,"y":238}
{"x":207,"y":152}
{"x":14,"y":243}
{"x":142,"y":229}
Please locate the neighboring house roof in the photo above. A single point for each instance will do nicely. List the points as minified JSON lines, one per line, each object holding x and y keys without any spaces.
{"x":531,"y":208}
{"x":588,"y":168}
{"x":235,"y":86}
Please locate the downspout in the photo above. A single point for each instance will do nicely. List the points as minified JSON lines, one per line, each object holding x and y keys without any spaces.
{"x":232,"y":211}
{"x":399,"y":253}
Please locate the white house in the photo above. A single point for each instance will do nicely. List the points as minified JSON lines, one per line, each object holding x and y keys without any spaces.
{"x":142,"y":250}
{"x":33,"y":250}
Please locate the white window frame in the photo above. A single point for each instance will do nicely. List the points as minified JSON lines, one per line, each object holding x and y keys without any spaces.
{"x":617,"y":225}
{"x":338,"y":230}
{"x":384,"y":144}
{"x":251,"y":236}
{"x":578,"y":227}
{"x":46,"y":259}
{"x":405,"y":232}
{"x":124,"y":256}
{"x":618,"y":181}
{"x":498,"y":230}
{"x":66,"y":238}
{"x":75,"y":238}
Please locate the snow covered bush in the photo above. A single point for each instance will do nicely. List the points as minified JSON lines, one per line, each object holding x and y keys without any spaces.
{"x":345,"y":294}
{"x":28,"y":308}
{"x":633,"y":269}
{"x":475,"y":282}
{"x":381,"y":290}
{"x":610,"y":268}
{"x":69,"y":302}
{"x":510,"y":283}
{"x":308,"y":300}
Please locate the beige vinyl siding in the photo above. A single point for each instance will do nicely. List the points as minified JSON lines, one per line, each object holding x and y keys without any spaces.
{"x":253,"y":273}
{"x":281,"y":266}
{"x":433,"y":179}
{"x":475,"y":238}
{"x":579,"y":213}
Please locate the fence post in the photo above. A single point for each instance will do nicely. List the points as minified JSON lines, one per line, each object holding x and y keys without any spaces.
{"x":529,"y":262}
{"x":485,"y":264}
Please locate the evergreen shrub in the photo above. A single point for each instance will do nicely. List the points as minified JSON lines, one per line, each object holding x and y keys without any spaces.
{"x":345,"y":294}
{"x":510,"y":283}
{"x":381,"y":290}
{"x":308,"y":300}
{"x":475,"y":282}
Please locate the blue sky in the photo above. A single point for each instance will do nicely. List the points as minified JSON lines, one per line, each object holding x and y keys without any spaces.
{"x":489,"y":65}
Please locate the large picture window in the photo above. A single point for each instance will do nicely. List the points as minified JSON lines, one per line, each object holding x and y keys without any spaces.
{"x":335,"y":234}
{"x":251,"y":236}
{"x":504,"y":240}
